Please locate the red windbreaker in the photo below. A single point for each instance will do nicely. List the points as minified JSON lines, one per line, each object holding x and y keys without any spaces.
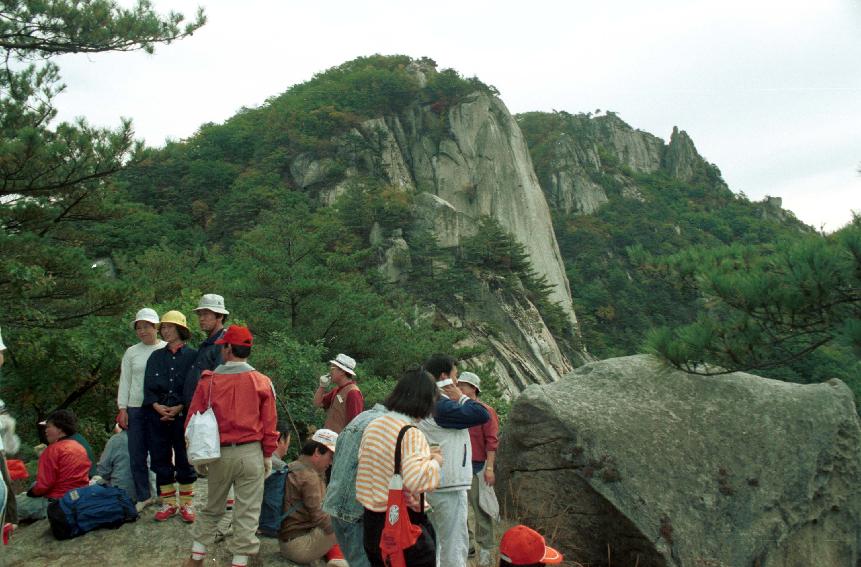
{"x":64,"y":465}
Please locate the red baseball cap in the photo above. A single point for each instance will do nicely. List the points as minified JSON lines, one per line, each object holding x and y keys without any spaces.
{"x":524,"y":546}
{"x":236,"y":335}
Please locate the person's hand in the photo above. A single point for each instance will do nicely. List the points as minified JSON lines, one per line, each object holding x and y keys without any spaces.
{"x":324,"y":381}
{"x":452,"y":392}
{"x":202,"y":469}
{"x":413,"y":501}
{"x":123,"y":418}
{"x":489,"y":476}
{"x":267,"y":467}
{"x":436,"y":454}
{"x":96,"y":480}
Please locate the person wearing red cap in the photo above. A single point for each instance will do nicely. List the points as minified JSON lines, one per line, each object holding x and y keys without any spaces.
{"x":243,"y":400}
{"x":525,"y":547}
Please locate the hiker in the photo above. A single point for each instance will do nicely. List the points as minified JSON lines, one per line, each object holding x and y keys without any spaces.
{"x":306,"y":533}
{"x":7,"y":434}
{"x":484,"y":441}
{"x":114,"y":468}
{"x":453,"y":415}
{"x":9,"y":444}
{"x":243,"y":401}
{"x":340,"y":502}
{"x":281,"y":447}
{"x":525,"y":547}
{"x":63,"y":465}
{"x":164,"y":378}
{"x":211,"y":316}
{"x":345,"y":401}
{"x":412,"y":400}
{"x":130,"y":392}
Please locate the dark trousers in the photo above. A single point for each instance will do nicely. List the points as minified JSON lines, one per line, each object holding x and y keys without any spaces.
{"x":138,"y":432}
{"x":422,"y":554}
{"x":168,"y":459}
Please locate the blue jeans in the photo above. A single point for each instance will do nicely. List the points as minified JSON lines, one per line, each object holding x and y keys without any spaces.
{"x":138,"y":450}
{"x":350,"y":538}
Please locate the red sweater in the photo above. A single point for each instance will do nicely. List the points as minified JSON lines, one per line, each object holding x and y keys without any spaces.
{"x":63,"y":465}
{"x":244,"y":404}
{"x":484,"y":437}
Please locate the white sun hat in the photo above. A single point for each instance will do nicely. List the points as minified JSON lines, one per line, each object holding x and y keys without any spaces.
{"x":148,"y":315}
{"x":213,"y":302}
{"x":345,"y":363}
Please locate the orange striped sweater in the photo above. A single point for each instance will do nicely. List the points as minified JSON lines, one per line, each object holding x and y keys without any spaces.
{"x":421,"y":473}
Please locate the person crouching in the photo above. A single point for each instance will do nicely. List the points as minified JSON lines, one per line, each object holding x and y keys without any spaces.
{"x":306,"y":533}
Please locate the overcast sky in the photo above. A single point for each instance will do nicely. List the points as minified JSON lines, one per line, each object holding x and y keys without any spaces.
{"x":769,"y":91}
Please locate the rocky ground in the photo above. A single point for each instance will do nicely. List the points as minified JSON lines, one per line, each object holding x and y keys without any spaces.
{"x":145,"y":542}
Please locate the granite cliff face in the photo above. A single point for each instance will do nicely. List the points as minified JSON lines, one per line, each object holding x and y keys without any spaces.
{"x":461,"y":165}
{"x":573,"y":162}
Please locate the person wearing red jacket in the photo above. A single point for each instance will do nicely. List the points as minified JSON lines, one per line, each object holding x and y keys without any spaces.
{"x":63,"y":465}
{"x":244,"y":404}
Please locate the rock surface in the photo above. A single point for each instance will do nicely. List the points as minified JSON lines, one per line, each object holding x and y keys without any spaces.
{"x":144,"y":542}
{"x":671,"y":469}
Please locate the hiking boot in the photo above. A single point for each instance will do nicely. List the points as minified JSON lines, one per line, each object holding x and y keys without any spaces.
{"x":187,"y":513}
{"x":165,"y":512}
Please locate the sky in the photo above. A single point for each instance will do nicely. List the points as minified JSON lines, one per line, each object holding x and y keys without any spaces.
{"x":769,"y":91}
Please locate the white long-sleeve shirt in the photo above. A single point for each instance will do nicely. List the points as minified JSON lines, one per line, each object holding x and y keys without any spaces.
{"x":130,"y":393}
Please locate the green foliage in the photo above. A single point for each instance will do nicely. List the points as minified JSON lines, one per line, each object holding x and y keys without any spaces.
{"x":768,"y":307}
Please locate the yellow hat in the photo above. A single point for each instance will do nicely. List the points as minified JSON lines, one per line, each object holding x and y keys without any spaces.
{"x":174,"y":317}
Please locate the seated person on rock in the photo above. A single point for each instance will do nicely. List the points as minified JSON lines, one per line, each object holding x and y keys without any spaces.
{"x":63,"y":465}
{"x":525,"y":547}
{"x":114,"y":468}
{"x":306,"y":534}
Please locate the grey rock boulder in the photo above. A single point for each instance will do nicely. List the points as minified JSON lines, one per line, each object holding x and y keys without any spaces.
{"x":655,"y":467}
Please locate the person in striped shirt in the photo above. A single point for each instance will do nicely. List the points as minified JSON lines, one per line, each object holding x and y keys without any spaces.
{"x":412,"y":400}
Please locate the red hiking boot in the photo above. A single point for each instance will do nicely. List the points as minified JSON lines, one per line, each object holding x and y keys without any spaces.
{"x":166,"y":512}
{"x":186,"y":512}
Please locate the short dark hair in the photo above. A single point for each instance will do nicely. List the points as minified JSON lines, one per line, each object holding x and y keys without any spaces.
{"x":65,"y":420}
{"x":240,"y":351}
{"x":283,"y":429}
{"x":439,"y":364}
{"x":311,"y":446}
{"x":223,"y":317}
{"x":414,"y":395}
{"x":183,"y":333}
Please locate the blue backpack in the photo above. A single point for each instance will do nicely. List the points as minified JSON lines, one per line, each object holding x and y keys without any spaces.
{"x":272,"y":510}
{"x":84,"y":509}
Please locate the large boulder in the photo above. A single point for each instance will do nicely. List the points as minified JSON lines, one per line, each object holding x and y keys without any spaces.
{"x":628,"y":462}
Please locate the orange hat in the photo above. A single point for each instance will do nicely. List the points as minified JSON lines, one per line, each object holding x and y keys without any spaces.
{"x":236,"y":335}
{"x":524,"y":546}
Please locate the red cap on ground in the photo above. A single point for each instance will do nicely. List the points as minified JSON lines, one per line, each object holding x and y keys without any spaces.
{"x":524,"y":546}
{"x":236,"y":335}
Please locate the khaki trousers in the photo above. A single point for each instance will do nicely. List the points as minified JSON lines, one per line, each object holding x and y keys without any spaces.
{"x":241,"y":467}
{"x":483,"y":532}
{"x":309,"y":547}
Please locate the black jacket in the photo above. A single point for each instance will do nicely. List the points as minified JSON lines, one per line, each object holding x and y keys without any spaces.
{"x":166,"y":374}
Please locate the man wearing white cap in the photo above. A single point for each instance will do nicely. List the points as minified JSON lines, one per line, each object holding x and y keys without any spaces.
{"x":306,"y":534}
{"x":130,"y":393}
{"x":211,"y":316}
{"x":345,"y":401}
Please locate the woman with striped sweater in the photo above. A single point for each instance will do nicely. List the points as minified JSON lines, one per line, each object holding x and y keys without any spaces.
{"x":412,"y":400}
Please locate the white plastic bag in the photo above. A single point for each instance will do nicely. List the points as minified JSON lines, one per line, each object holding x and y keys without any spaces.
{"x":487,"y":498}
{"x":203,"y":443}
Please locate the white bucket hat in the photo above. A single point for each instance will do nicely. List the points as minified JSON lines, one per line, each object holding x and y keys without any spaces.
{"x":470,"y":378}
{"x":327,"y":437}
{"x":345,"y":363}
{"x":148,"y":315}
{"x":213,"y":302}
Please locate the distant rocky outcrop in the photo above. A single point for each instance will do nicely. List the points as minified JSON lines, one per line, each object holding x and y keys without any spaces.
{"x":630,"y":463}
{"x":589,"y":147}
